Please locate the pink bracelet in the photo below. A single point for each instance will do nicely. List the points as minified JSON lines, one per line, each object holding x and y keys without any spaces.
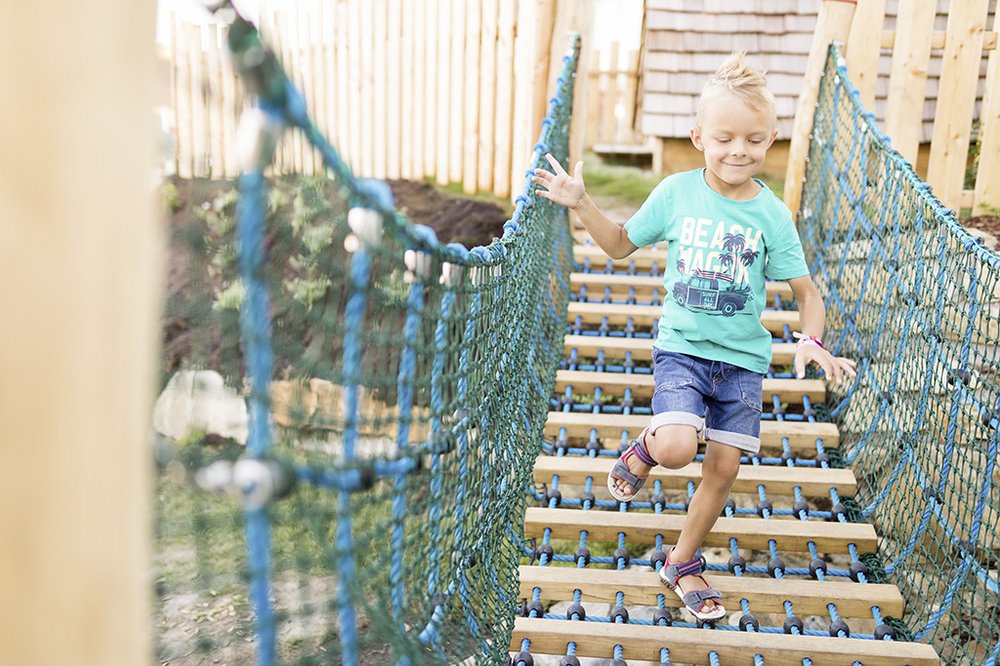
{"x":807,"y":340}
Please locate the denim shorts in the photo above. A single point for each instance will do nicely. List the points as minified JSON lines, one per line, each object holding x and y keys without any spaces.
{"x":728,"y":397}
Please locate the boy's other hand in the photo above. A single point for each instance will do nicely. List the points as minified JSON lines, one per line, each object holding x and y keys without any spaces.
{"x":834,"y":367}
{"x":560,"y":187}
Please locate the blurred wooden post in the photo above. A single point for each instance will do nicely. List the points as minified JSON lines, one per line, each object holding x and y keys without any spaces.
{"x":911,"y":53}
{"x":864,"y":46}
{"x":506,"y":31}
{"x":81,"y":270}
{"x":473,"y":64}
{"x":834,"y":23}
{"x":987,"y":192}
{"x":963,"y":53}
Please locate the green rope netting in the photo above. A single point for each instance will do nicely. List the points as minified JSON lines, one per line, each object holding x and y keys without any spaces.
{"x":410,"y":388}
{"x":915,"y":300}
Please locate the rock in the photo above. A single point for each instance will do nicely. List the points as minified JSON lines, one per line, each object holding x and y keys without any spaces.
{"x":200,"y":402}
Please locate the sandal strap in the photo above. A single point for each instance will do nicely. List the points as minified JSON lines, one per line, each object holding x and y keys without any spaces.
{"x":639,"y":446}
{"x":674,"y":571}
{"x":621,"y":472}
{"x":695,"y":599}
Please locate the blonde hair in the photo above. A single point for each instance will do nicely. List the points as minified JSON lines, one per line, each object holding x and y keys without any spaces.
{"x":736,"y":77}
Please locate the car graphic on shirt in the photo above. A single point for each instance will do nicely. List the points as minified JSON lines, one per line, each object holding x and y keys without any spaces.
{"x":696,"y":292}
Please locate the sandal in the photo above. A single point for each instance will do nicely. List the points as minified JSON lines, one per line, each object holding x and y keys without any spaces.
{"x":621,"y":472}
{"x":694,"y":601}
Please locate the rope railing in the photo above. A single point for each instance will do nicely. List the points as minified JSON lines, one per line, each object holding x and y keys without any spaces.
{"x":395,"y":410}
{"x":916,"y":300}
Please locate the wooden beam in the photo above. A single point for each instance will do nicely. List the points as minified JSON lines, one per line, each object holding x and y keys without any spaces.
{"x":801,"y":436}
{"x":765,"y":595}
{"x":644,"y":315}
{"x":777,"y":480}
{"x":863,"y":48}
{"x":587,"y":346}
{"x":615,"y":383}
{"x":692,"y":646}
{"x":834,"y":23}
{"x":644,"y":284}
{"x":82,"y":275}
{"x":643,"y":527}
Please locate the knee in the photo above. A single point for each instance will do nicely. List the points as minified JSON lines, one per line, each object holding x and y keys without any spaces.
{"x":721,"y":469}
{"x":674,"y":446}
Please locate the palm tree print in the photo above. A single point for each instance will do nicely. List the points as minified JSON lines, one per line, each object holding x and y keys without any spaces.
{"x":734,"y":244}
{"x":680,"y":266}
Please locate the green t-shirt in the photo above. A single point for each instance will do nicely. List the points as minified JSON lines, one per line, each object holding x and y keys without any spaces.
{"x":719,"y":253}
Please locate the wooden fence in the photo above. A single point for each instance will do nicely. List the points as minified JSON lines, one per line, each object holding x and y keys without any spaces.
{"x":444,"y":89}
{"x":611,"y":102}
{"x":969,"y":37}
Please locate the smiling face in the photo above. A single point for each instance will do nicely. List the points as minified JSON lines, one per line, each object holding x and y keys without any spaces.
{"x":734,"y":137}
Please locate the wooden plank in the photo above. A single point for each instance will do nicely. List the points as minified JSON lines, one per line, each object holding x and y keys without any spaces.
{"x":199,"y":129}
{"x":644,"y":315}
{"x":692,"y":646}
{"x":407,"y":75}
{"x":429,"y":136}
{"x":864,"y":49}
{"x":213,"y":86}
{"x":355,"y":82}
{"x":643,"y":257}
{"x":232,"y":100}
{"x":801,"y":436}
{"x":587,"y":346}
{"x":777,"y":480}
{"x":594,"y":98}
{"x":545,"y":13}
{"x":83,"y":262}
{"x":413,"y":74}
{"x":524,"y":87}
{"x":183,"y":158}
{"x":444,"y":90}
{"x":379,"y":73}
{"x":581,"y":20}
{"x":473,"y":63}
{"x":908,"y":78}
{"x":609,"y":84}
{"x":506,"y":26}
{"x":834,"y":22}
{"x":629,"y":79}
{"x":644,"y":284}
{"x":986,"y":196}
{"x":393,"y":99}
{"x":956,"y":100}
{"x":487,"y":95}
{"x":459,"y":74}
{"x":938,"y":38}
{"x":615,"y":383}
{"x":765,"y":595}
{"x":343,"y":82}
{"x":791,"y":535}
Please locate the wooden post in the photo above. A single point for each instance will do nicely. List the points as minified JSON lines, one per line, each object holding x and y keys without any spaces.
{"x":609,"y":83}
{"x":444,"y":91}
{"x":231,"y":101}
{"x":456,"y":89}
{"x":415,"y":69}
{"x":368,"y":73}
{"x":379,"y":98}
{"x":473,"y":27}
{"x":182,"y":99}
{"x":864,"y":46}
{"x":580,"y":15}
{"x":399,"y":87}
{"x":431,"y":91}
{"x":506,"y":30}
{"x":544,"y":23}
{"x":355,"y":83}
{"x":963,"y":52}
{"x":834,"y":23}
{"x":911,"y":53}
{"x":593,"y":120}
{"x":81,"y":275}
{"x":487,"y":94}
{"x":524,"y":87}
{"x":987,"y":192}
{"x":345,"y":140}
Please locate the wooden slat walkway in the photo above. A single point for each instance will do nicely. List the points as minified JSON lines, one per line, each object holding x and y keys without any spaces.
{"x":564,"y":527}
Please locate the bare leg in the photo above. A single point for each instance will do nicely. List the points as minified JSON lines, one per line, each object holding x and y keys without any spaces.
{"x":672,"y":446}
{"x":722,"y":464}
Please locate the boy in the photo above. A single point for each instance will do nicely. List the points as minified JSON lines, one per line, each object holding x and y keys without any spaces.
{"x":726,"y":232}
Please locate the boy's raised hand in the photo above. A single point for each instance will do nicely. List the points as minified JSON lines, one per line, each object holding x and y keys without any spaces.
{"x":834,"y":367}
{"x":560,"y":187}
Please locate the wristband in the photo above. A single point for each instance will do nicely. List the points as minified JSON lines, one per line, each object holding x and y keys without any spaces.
{"x":807,"y":340}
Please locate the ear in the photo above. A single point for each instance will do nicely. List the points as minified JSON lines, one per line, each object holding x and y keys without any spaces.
{"x":696,"y":138}
{"x":774,"y":135}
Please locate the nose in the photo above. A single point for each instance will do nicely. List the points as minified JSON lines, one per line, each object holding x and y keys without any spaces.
{"x":738,"y":148}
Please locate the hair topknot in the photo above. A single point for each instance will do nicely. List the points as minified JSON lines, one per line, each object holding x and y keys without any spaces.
{"x":737,"y":77}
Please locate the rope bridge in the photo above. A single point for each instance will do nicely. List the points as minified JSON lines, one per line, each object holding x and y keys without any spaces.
{"x":400,"y":392}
